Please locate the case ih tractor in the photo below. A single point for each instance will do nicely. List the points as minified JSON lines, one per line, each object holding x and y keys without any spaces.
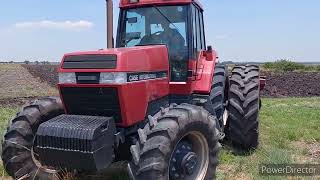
{"x":159,"y":101}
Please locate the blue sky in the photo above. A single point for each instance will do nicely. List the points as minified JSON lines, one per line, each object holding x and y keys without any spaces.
{"x":246,"y":30}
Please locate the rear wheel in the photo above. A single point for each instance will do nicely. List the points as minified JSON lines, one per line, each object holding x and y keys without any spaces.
{"x":179,"y":143}
{"x":19,"y":155}
{"x":243,"y":107}
{"x":219,"y":92}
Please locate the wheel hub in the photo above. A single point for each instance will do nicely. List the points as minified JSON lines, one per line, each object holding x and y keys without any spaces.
{"x":189,"y":163}
{"x":184,"y":161}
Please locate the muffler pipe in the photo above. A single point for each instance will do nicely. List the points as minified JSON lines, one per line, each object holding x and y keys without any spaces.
{"x":109,"y":10}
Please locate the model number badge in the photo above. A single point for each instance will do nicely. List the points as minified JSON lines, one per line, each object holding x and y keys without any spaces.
{"x":142,"y":76}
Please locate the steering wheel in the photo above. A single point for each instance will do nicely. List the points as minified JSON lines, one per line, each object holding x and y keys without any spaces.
{"x":153,"y":38}
{"x":156,"y":33}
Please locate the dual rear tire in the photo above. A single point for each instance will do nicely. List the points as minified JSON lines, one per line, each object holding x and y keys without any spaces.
{"x":219,"y":93}
{"x":236,"y":103}
{"x":243,"y":107}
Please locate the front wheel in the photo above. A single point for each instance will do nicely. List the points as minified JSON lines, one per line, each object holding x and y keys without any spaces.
{"x":18,"y":153}
{"x":178,"y":143}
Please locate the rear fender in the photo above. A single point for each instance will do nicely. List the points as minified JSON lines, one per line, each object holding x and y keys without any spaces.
{"x":205,"y":71}
{"x":263,"y":82}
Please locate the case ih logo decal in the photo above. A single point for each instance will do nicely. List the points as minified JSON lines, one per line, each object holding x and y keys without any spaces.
{"x":141,"y":76}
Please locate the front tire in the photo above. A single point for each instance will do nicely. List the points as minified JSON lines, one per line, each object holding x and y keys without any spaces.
{"x":178,"y":143}
{"x":244,"y":108}
{"x":18,"y":154}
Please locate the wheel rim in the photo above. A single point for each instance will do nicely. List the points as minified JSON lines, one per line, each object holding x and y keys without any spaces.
{"x":190,"y":158}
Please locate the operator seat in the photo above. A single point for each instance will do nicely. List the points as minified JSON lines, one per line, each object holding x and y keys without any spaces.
{"x":173,"y":39}
{"x":170,"y":37}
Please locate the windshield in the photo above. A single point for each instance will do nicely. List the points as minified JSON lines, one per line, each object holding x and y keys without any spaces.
{"x":166,"y":25}
{"x":155,"y":25}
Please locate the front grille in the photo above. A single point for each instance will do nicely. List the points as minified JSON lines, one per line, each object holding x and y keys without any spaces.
{"x":90,"y":62}
{"x":92,"y":101}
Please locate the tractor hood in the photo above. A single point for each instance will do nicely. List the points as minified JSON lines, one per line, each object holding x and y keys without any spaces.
{"x":118,"y":83}
{"x":133,"y":59}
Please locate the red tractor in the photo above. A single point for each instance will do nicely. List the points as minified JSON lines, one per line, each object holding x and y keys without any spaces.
{"x":159,"y":100}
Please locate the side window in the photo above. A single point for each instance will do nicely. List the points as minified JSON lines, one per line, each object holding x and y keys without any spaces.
{"x":194,"y":30}
{"x":203,"y":39}
{"x":198,"y":30}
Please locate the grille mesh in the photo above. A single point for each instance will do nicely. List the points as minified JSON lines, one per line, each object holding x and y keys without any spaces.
{"x":92,"y":101}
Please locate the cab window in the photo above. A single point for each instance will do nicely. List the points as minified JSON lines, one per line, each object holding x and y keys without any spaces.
{"x":198,"y":31}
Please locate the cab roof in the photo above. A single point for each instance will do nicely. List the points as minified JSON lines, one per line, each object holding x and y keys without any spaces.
{"x":141,"y":3}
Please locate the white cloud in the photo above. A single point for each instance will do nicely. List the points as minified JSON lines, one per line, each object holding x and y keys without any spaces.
{"x":62,"y":25}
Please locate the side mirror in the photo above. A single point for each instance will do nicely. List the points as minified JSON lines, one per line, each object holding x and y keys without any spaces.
{"x":132,"y":20}
{"x":209,"y":54}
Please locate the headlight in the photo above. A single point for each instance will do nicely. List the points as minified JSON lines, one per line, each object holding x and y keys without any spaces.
{"x":113,"y":78}
{"x":67,"y":78}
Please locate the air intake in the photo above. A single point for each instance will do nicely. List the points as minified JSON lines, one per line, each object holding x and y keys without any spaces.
{"x":90,"y":62}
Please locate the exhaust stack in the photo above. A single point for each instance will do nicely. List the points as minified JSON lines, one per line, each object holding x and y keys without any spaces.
{"x":109,"y":9}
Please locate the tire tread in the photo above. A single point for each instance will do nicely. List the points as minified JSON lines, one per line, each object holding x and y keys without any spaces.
{"x":244,"y":107}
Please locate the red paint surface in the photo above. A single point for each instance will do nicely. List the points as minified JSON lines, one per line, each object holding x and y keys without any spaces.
{"x":133,"y":59}
{"x":134,"y":96}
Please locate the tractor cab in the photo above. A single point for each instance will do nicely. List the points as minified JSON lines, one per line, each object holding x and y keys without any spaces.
{"x":179,"y":26}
